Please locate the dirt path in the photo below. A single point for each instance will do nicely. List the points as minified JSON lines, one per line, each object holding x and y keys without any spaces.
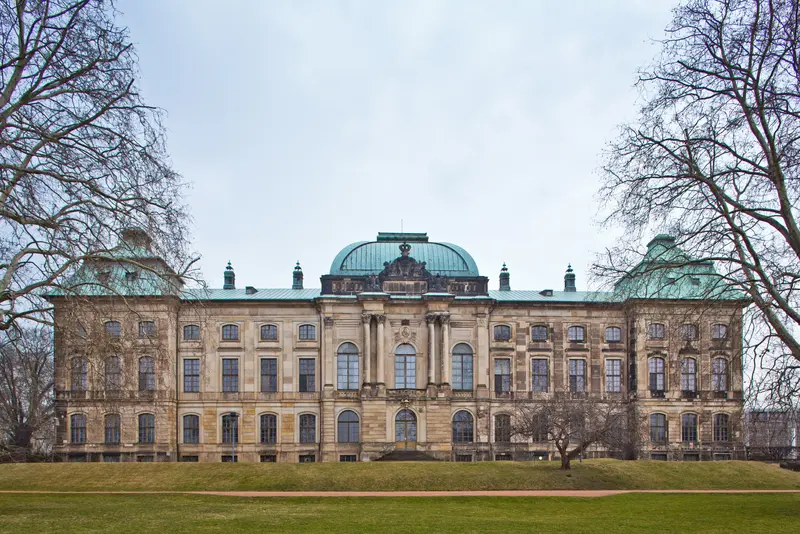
{"x":508,"y":493}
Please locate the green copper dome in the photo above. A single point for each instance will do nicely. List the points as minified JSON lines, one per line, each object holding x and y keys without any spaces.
{"x":367,"y":257}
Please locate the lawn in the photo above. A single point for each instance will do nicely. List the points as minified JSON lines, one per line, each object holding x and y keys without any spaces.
{"x":185,"y":513}
{"x":380,"y":476}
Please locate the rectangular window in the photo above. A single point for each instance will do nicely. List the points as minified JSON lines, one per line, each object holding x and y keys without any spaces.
{"x":269,"y":458}
{"x":539,"y":375}
{"x":191,"y":459}
{"x":405,"y":372}
{"x":191,"y":429}
{"x":689,"y":375}
{"x":462,"y":372}
{"x":349,"y":458}
{"x":691,"y":457}
{"x":229,"y":458}
{"x":721,"y":456}
{"x":689,"y":427}
{"x":503,"y":457}
{"x":502,"y":375}
{"x":307,"y":375}
{"x":147,"y":329}
{"x":269,"y":375}
{"x":230,"y":375}
{"x":660,"y":456}
{"x":577,"y":376}
{"x":463,"y":457}
{"x":112,"y":430}
{"x":308,"y":332}
{"x":191,"y":375}
{"x":307,"y":458}
{"x":347,"y":371}
{"x":539,"y":333}
{"x":308,"y":428}
{"x":613,"y":376}
{"x":147,"y":458}
{"x":111,"y":458}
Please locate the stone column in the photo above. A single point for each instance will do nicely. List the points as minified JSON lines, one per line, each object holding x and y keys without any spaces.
{"x":431,"y":319}
{"x":446,"y":366}
{"x":381,"y":378}
{"x":366,"y":318}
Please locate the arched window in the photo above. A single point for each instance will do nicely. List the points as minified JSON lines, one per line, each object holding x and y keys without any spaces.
{"x":147,"y":328}
{"x":657,"y":377}
{"x":147,"y":374}
{"x":308,"y":428}
{"x":689,"y":427}
{"x":502,"y":428}
{"x":405,"y":427}
{"x":112,"y":428}
{"x":613,"y":334}
{"x":405,"y":367}
{"x":689,"y":375}
{"x":269,"y":332}
{"x":308,"y":332}
{"x":462,"y":367}
{"x":113,"y":373}
{"x":191,"y":332}
{"x":80,"y":374}
{"x":347,"y":376}
{"x":539,"y":333}
{"x":576,"y":334}
{"x":77,"y":428}
{"x":147,"y":428}
{"x":719,"y":374}
{"x":191,"y":429}
{"x":719,"y":331}
{"x":502,"y":333}
{"x":230,"y":428}
{"x":658,"y":428}
{"x":230,"y":332}
{"x":462,"y":427}
{"x":655,"y":331}
{"x":689,"y":332}
{"x":347,"y":431}
{"x":113,"y":328}
{"x":721,"y":427}
{"x":269,"y":429}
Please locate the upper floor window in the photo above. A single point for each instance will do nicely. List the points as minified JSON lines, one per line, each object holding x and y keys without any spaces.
{"x":502,"y":428}
{"x":576,"y":334}
{"x":613,"y":334}
{"x":113,"y":328}
{"x":230,"y":375}
{"x":502,"y":332}
{"x":689,"y":375}
{"x":269,"y":429}
{"x":191,"y":375}
{"x":230,"y":332}
{"x":721,"y":427}
{"x":657,"y":375}
{"x":462,"y":427}
{"x":113,"y":373}
{"x":80,"y":374}
{"x":230,"y":428}
{"x":502,"y":375}
{"x":77,"y":428}
{"x":658,"y":427}
{"x":347,"y":376}
{"x":147,"y":328}
{"x":614,"y":376}
{"x":539,"y":375}
{"x":147,"y":374}
{"x":719,"y":374}
{"x":307,"y":375}
{"x":689,"y":332}
{"x":719,"y":331}
{"x":655,"y":331}
{"x":191,"y":429}
{"x":462,"y":367}
{"x":689,"y":427}
{"x":308,"y":428}
{"x":269,"y":375}
{"x":269,"y":332}
{"x":347,"y":427}
{"x":147,"y":428}
{"x":308,"y":332}
{"x":112,"y":428}
{"x":191,"y":332}
{"x":539,"y":333}
{"x":405,"y":367}
{"x":577,"y":376}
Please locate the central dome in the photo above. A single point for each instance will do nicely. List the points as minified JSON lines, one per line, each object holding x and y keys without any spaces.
{"x":368,"y":257}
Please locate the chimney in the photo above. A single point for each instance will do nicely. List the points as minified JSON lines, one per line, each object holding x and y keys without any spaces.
{"x":297,"y":277}
{"x":505,"y":279}
{"x":230,"y":278}
{"x":569,"y":280}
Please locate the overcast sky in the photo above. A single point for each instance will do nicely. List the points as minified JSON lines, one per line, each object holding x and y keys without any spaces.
{"x":307,"y":125}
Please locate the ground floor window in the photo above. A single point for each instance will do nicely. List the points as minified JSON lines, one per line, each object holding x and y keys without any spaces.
{"x":662,"y":456}
{"x":463,"y":457}
{"x":145,"y":458}
{"x":190,"y":459}
{"x":347,"y":458}
{"x":229,"y":458}
{"x":77,"y":458}
{"x":503,"y":457}
{"x":269,"y":458}
{"x":691,"y":457}
{"x":722,"y":456}
{"x":111,"y":458}
{"x":307,"y":459}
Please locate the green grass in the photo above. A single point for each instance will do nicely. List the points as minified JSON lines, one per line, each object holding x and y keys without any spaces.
{"x":184,"y":513}
{"x":380,"y":476}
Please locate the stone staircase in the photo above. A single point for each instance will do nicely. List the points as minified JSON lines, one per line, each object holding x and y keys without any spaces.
{"x":400,"y":455}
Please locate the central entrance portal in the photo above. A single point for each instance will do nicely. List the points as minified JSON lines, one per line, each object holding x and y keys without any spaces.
{"x":405,"y":430}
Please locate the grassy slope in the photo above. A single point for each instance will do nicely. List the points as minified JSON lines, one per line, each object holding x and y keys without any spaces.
{"x":377,"y":476}
{"x":182,"y":513}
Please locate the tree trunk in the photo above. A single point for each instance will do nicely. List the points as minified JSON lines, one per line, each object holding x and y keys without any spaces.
{"x":565,"y":462}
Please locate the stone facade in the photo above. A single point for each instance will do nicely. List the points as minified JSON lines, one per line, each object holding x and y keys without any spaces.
{"x":383,"y":356}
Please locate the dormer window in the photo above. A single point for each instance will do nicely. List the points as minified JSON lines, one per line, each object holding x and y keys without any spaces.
{"x":576,"y":334}
{"x":131,"y":276}
{"x":230,"y":332}
{"x":502,"y":332}
{"x":269,"y":332}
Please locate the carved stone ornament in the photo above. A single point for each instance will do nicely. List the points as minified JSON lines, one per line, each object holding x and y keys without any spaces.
{"x":405,"y":402}
{"x":404,"y":267}
{"x":405,"y":335}
{"x":430,"y":318}
{"x":381,"y":318}
{"x":445,"y":318}
{"x":328,"y":322}
{"x":366,"y":318}
{"x":483,"y":322}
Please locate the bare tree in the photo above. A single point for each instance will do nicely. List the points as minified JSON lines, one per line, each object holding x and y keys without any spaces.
{"x":26,"y":390}
{"x":713,"y":159}
{"x":82,"y":157}
{"x":571,"y":423}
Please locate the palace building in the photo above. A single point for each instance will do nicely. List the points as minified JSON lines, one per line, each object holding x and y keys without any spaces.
{"x":404,"y":351}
